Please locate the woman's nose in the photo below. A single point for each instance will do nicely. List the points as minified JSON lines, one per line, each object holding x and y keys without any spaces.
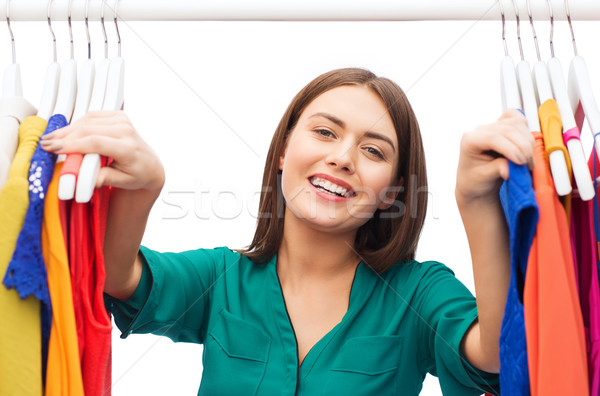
{"x":342,"y":158}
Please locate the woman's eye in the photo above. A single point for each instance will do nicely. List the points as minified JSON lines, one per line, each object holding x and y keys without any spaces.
{"x":324,"y":132}
{"x":374,"y":151}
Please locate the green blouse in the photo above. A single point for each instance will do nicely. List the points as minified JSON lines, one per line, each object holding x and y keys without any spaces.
{"x":399,"y":326}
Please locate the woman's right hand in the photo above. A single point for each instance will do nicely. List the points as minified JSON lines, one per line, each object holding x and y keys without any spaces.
{"x":135,"y":165}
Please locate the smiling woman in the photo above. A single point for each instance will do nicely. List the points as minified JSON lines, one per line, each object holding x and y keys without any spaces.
{"x":358,"y":131}
{"x":328,"y":298}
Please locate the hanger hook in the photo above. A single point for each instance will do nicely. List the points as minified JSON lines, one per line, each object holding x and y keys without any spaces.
{"x":503,"y":28}
{"x":117,"y":27}
{"x":71,"y":31}
{"x":52,"y":31}
{"x":12,"y":37}
{"x":518,"y":28}
{"x":551,"y":28}
{"x":570,"y":25}
{"x":87,"y":29}
{"x":104,"y":30}
{"x":535,"y":40}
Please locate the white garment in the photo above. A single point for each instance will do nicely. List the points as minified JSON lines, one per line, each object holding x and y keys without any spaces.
{"x":13,"y":111}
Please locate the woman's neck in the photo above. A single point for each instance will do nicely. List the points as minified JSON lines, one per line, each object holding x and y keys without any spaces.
{"x":309,"y":256}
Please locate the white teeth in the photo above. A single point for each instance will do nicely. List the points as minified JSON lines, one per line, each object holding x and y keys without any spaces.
{"x":329,"y":186}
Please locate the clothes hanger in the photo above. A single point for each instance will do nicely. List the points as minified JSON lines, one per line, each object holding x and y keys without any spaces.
{"x":580,"y":90}
{"x":571,"y":132}
{"x":67,"y":88}
{"x":68,"y":175}
{"x":13,"y":109}
{"x":12,"y":85}
{"x":50,"y":91}
{"x":113,"y":101}
{"x":511,"y":99}
{"x":530,"y":104}
{"x":102,"y":67}
{"x":556,"y":159}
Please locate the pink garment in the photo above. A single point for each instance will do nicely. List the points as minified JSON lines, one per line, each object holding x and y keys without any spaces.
{"x":584,"y":243}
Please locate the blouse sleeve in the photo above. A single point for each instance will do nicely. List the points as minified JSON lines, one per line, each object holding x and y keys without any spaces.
{"x":447,"y":310}
{"x":173,"y":296}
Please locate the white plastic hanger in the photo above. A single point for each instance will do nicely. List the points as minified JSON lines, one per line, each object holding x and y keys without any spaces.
{"x":580,"y":89}
{"x":511,"y":99}
{"x":50,"y":91}
{"x":12,"y":86}
{"x":528,"y":98}
{"x":101,"y":79}
{"x":67,"y":89}
{"x":556,"y":159}
{"x":581,"y":171}
{"x":67,"y":181}
{"x":113,"y":100}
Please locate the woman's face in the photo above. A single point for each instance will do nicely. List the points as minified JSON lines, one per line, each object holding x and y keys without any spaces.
{"x":340,"y":160}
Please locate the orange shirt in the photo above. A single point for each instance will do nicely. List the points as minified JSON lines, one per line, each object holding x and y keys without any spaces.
{"x":63,"y":376}
{"x":556,"y":347}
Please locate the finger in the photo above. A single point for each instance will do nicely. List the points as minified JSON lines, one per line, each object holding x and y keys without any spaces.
{"x":512,"y":114}
{"x":92,"y":123}
{"x":479,"y":143}
{"x":522,"y":139}
{"x":80,"y":130}
{"x":104,"y":145}
{"x":109,"y":176}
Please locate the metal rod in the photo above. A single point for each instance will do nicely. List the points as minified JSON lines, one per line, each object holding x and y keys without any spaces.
{"x":300,"y":10}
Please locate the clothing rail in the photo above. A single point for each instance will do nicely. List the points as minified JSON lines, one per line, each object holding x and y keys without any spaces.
{"x":297,"y":10}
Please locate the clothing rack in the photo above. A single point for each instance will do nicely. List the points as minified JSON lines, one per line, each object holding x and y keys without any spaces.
{"x":297,"y":10}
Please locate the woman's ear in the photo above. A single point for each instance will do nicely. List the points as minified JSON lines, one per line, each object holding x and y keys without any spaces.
{"x":390,"y":194}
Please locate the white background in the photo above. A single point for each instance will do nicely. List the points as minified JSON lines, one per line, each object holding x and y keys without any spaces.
{"x":207,"y":96}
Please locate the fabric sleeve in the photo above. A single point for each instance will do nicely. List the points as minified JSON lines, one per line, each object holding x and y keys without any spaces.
{"x":173,"y":296}
{"x":447,"y":309}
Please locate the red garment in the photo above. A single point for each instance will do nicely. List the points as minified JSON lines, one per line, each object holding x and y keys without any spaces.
{"x":87,"y":228}
{"x":556,"y":347}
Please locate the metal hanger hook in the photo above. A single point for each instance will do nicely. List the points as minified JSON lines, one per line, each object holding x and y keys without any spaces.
{"x":551,"y":28}
{"x":503,"y":27}
{"x":535,"y":40}
{"x":518,"y":29}
{"x":104,"y":30}
{"x":570,"y":25}
{"x":117,"y":27}
{"x":71,"y":30}
{"x":87,"y":29}
{"x":12,"y":37}
{"x":52,"y":31}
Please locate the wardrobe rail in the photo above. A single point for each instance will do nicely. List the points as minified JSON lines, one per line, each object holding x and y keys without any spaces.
{"x":297,"y":10}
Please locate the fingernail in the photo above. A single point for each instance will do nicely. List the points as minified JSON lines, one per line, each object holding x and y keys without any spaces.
{"x":48,"y":136}
{"x":521,"y":159}
{"x":52,"y":146}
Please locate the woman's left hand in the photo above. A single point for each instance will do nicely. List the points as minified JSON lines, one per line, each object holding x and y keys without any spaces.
{"x":484,"y":155}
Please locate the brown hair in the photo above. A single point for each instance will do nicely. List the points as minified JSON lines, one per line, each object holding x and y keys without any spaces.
{"x":391,"y":235}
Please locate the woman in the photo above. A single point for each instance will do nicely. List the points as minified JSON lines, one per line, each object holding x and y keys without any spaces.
{"x":327,"y":299}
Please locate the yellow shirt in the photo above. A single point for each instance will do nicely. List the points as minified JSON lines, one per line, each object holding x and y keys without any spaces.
{"x":20,"y":329}
{"x":63,"y":375}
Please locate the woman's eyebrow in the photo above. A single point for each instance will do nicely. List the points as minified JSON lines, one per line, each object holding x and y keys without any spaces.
{"x":375,"y":135}
{"x":342,"y":124}
{"x":331,"y":118}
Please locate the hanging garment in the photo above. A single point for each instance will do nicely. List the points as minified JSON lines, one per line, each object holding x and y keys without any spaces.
{"x":399,"y":326}
{"x":88,"y":225}
{"x":553,"y":323}
{"x":26,"y":271}
{"x":20,"y":340}
{"x":520,"y":209}
{"x":63,"y":376}
{"x":583,"y":242}
{"x":13,"y":111}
